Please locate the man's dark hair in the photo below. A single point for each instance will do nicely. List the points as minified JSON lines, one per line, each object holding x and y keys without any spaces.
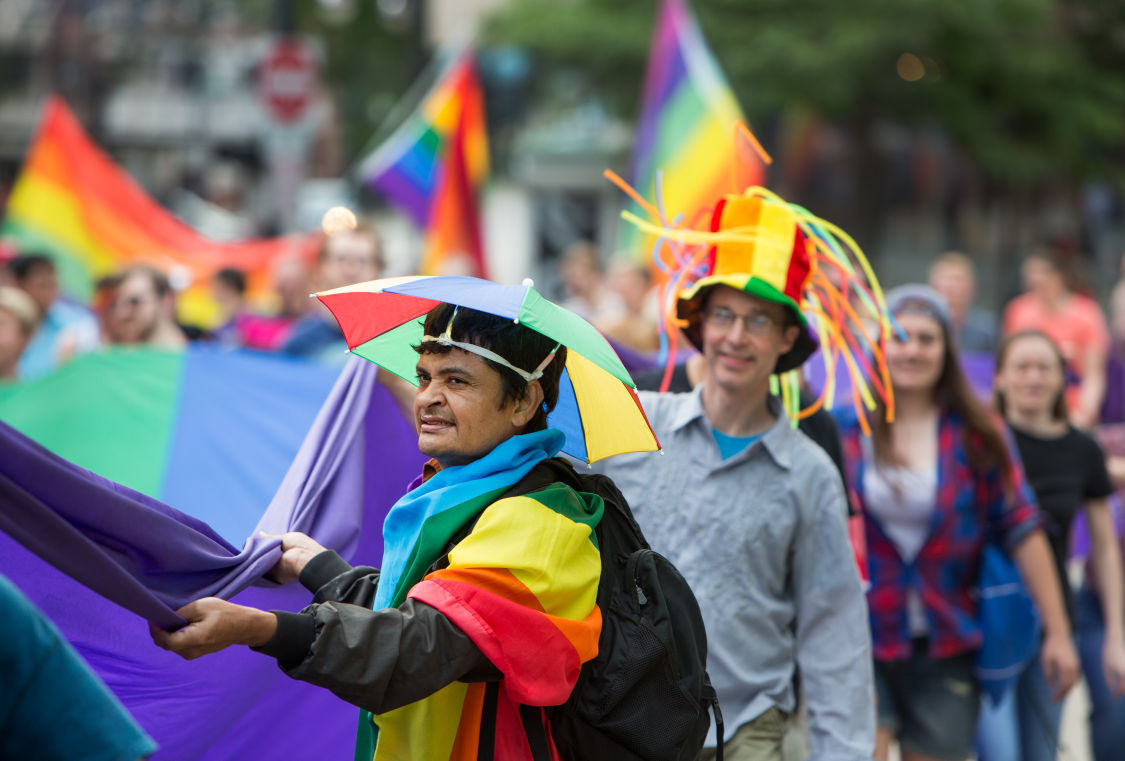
{"x":24,"y":265}
{"x":158,"y":279}
{"x":233,"y":278}
{"x":523,"y":347}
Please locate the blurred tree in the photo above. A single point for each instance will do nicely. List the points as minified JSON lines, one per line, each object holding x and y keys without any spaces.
{"x":369,"y":64}
{"x":1030,"y":90}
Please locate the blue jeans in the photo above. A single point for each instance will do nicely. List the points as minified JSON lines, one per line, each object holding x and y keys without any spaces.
{"x":1107,"y":716}
{"x":1024,"y":726}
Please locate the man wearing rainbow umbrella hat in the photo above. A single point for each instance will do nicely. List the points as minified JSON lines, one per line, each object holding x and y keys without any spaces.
{"x":748,"y":508}
{"x":486,"y":602}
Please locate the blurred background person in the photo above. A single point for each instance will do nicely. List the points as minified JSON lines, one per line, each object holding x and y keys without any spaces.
{"x":1066,"y":469}
{"x":637,"y":326}
{"x":18,"y":318}
{"x":63,"y":329}
{"x":584,"y":284}
{"x":143,"y":310}
{"x":932,"y":487}
{"x":1074,"y":322}
{"x":351,"y":255}
{"x":953,"y":276}
{"x":229,"y":291}
{"x":291,"y":289}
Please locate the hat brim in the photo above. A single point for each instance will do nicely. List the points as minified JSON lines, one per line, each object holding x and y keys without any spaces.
{"x":689,"y":308}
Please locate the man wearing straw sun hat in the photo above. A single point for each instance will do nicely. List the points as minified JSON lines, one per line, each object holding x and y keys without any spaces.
{"x":749,"y":509}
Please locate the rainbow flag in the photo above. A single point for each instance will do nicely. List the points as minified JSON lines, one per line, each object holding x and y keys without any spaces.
{"x":432,"y":167}
{"x":73,"y":202}
{"x":686,"y":130}
{"x":213,"y":433}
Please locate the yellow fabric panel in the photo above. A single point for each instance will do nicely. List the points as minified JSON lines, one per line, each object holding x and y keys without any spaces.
{"x":697,"y":175}
{"x":601,"y":398}
{"x":557,"y":561}
{"x":422,"y":730}
{"x":775,"y":249}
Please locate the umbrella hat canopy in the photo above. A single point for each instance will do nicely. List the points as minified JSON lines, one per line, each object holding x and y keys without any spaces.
{"x":597,"y":409}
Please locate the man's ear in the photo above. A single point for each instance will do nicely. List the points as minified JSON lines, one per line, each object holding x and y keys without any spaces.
{"x":528,"y":404}
{"x":789,"y":337}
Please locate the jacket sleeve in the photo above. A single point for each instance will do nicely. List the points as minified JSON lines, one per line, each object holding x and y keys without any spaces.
{"x":378,"y":660}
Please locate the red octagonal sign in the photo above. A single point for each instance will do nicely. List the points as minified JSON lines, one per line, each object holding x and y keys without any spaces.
{"x":288,"y":77}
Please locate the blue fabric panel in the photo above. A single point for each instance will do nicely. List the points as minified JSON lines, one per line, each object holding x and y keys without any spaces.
{"x":483,"y":295}
{"x":242,"y":417}
{"x":565,"y":418}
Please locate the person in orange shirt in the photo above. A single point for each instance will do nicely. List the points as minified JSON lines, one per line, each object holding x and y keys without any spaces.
{"x":1074,"y":322}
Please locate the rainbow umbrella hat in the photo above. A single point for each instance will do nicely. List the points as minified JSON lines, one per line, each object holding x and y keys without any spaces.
{"x":598,"y":409}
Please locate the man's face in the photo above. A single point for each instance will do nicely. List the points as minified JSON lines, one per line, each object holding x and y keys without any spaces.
{"x":136,"y":310}
{"x":956,"y":285}
{"x":42,"y":285}
{"x":349,"y":257}
{"x":738,"y":357}
{"x":458,"y":409}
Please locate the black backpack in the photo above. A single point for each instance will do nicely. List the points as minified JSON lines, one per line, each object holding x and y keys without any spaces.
{"x":646,"y":696}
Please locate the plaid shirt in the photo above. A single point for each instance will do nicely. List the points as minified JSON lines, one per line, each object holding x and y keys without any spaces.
{"x":969,"y":505}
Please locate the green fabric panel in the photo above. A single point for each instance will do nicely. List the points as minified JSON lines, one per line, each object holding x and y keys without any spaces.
{"x":573,"y":332}
{"x":394,"y":350}
{"x":581,"y":507}
{"x":111,"y":411}
{"x":763,"y":290}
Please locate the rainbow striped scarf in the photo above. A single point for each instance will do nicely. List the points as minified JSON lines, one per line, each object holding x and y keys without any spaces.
{"x":522,"y":585}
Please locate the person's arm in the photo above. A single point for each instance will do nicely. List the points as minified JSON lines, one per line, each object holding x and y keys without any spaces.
{"x":833,"y":634}
{"x":378,"y":660}
{"x":1060,"y":661}
{"x":1091,"y":392}
{"x":1105,"y":558}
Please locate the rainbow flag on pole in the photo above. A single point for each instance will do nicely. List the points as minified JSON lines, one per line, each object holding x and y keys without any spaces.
{"x":432,"y":168}
{"x":686,"y":130}
{"x":73,"y":202}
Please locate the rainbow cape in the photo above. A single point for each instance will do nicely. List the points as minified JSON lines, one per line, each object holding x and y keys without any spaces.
{"x":432,"y":168}
{"x":522,"y":585}
{"x":74,"y":203}
{"x":684,"y":156}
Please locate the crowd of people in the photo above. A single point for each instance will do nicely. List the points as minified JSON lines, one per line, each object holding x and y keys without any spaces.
{"x":754,"y":513}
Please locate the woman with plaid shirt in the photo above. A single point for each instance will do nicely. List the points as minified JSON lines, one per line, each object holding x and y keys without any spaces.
{"x":932,"y":487}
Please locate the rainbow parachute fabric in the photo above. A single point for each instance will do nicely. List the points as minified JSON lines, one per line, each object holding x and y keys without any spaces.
{"x":759,"y":243}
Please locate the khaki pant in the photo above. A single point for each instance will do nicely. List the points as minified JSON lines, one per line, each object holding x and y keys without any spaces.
{"x":773,"y":736}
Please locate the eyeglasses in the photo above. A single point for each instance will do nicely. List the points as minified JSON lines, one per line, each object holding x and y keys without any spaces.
{"x":132,"y":302}
{"x":723,"y":318}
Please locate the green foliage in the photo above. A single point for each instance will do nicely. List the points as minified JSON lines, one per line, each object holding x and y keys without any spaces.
{"x":367,"y":65}
{"x":1027,"y":88}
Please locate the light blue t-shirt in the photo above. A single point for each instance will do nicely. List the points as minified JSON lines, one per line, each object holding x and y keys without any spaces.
{"x":729,"y":446}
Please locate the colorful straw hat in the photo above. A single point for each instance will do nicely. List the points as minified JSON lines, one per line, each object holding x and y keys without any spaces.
{"x":767,"y":256}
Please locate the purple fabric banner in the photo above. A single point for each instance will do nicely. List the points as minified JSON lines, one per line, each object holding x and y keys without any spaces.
{"x":89,"y":541}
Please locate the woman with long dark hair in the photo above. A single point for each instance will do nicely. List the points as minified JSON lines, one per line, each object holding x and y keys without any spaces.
{"x":1066,"y":469}
{"x":933,"y":487}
